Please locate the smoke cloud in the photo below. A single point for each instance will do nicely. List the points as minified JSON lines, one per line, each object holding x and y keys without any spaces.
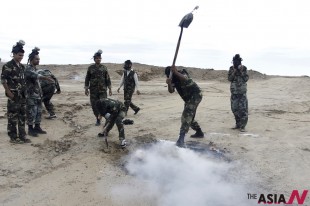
{"x":166,"y":175}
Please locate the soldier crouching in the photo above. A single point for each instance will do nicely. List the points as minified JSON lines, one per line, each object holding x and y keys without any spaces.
{"x":114,"y":112}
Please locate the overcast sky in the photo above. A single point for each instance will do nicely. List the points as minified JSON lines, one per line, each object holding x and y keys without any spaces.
{"x":272,"y":36}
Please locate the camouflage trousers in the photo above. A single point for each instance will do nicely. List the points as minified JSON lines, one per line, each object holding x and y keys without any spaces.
{"x":239,"y":107}
{"x":188,"y":115}
{"x":16,"y":112}
{"x":94,"y":97}
{"x":118,"y":120}
{"x":34,"y":111}
{"x":127,"y":100}
{"x":47,"y":102}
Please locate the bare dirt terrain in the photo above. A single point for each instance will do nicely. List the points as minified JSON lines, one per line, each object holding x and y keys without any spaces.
{"x":68,"y":166}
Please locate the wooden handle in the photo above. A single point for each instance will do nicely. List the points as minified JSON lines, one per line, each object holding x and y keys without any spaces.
{"x":176,"y":51}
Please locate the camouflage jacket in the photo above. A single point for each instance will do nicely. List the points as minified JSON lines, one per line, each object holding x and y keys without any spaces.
{"x":97,"y":78}
{"x":129,"y":80}
{"x":110,"y":106}
{"x":45,"y":84}
{"x":187,"y":89}
{"x":238,"y":80}
{"x":33,"y":89}
{"x":14,"y":76}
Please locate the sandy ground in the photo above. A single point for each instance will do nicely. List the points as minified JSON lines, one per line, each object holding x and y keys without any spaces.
{"x":68,"y":166}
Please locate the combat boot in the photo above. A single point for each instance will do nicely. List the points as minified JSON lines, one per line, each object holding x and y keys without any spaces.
{"x":98,"y":122}
{"x":38,"y":129}
{"x":31,"y":131}
{"x":198,"y":134}
{"x":180,"y":142}
{"x":242,"y":129}
{"x":236,"y":127}
{"x":23,"y":139}
{"x":52,"y":116}
{"x":136,"y":111}
{"x":13,"y":139}
{"x":123,"y":143}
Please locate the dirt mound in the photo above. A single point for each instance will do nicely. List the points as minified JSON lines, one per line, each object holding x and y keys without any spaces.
{"x":144,"y":71}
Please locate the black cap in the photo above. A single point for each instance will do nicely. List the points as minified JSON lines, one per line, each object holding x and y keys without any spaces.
{"x":34,"y":52}
{"x":98,"y":53}
{"x":128,"y":62}
{"x":18,"y":48}
{"x":237,"y":57}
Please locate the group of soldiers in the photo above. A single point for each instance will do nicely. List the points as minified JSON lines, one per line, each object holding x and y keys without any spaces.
{"x":98,"y":80}
{"x":26,"y":88}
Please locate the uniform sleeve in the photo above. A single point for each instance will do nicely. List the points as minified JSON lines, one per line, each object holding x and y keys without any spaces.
{"x":5,"y":74}
{"x":56,"y":83}
{"x":136,"y":80}
{"x":107,"y":79}
{"x":231,"y":75}
{"x":244,"y":74}
{"x":122,"y":81}
{"x":87,"y":79}
{"x":31,"y":74}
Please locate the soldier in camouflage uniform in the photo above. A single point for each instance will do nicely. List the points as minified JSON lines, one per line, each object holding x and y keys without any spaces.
{"x":114,"y":112}
{"x":12,"y":78}
{"x":238,"y":77}
{"x":96,"y":83}
{"x":48,"y":90}
{"x":130,"y":82}
{"x":191,"y":95}
{"x":34,"y":94}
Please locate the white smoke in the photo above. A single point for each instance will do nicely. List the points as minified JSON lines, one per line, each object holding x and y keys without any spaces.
{"x":168,"y":176}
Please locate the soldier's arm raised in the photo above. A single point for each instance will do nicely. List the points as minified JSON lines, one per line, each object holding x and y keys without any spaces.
{"x":231,"y":74}
{"x":244,"y":74}
{"x":178,"y":74}
{"x":170,"y":87}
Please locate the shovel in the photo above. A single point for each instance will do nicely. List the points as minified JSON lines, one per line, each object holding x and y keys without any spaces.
{"x":185,"y":22}
{"x":104,"y":134}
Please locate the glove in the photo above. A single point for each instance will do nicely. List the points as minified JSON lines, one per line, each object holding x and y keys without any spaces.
{"x":128,"y":122}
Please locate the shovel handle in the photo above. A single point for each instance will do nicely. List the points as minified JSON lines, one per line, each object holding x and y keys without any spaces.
{"x":176,"y":52}
{"x":105,"y":136}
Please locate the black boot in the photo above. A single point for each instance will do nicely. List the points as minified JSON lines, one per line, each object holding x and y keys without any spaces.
{"x":38,"y":129}
{"x":180,"y":142}
{"x":23,"y":139}
{"x":198,"y":134}
{"x":137,"y":110}
{"x":31,"y":131}
{"x":98,"y":122}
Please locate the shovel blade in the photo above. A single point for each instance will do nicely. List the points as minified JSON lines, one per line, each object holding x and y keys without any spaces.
{"x":187,"y":20}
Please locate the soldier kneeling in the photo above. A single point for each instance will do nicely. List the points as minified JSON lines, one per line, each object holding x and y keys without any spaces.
{"x":114,"y":112}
